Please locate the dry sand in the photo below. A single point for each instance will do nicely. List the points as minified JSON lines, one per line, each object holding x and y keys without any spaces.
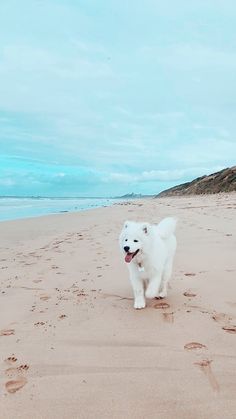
{"x":71,"y":344}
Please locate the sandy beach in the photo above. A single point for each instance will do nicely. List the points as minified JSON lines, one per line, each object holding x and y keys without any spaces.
{"x":71,"y":344}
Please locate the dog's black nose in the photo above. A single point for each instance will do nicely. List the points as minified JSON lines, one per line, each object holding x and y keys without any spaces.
{"x":126,"y":248}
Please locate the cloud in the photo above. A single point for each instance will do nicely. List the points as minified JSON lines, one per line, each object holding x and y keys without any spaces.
{"x":34,"y":177}
{"x":207,"y":151}
{"x":39,"y":80}
{"x":86,"y":106}
{"x":37,"y":178}
{"x":174,"y":175}
{"x":194,"y":56}
{"x":7,"y":181}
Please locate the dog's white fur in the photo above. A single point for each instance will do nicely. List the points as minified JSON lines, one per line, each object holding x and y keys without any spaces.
{"x":152,"y":265}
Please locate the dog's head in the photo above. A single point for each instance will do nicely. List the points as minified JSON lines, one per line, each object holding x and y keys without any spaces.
{"x":132,"y":239}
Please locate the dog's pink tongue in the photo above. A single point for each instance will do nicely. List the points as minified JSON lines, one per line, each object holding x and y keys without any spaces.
{"x":128,"y":257}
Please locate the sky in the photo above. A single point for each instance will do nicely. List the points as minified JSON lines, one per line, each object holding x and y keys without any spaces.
{"x":107,"y":97}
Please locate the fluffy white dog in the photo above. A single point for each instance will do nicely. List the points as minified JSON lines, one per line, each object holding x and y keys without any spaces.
{"x":149,"y":252}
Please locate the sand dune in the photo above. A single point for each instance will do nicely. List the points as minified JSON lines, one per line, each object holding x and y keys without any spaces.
{"x":72,"y":346}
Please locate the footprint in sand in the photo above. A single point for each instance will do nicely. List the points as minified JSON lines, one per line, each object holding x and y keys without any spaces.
{"x":168,"y":317}
{"x":11,"y":360}
{"x":194,"y":345}
{"x":7,"y":332}
{"x":62,"y":316}
{"x":190,"y":274}
{"x":205,"y":366}
{"x":161,"y":305}
{"x":230,"y":329}
{"x":45,"y":297}
{"x":221,"y":317}
{"x":16,"y":370}
{"x":189,"y":294}
{"x":14,"y":385}
{"x":19,"y":381}
{"x":224,"y":320}
{"x":39,"y":324}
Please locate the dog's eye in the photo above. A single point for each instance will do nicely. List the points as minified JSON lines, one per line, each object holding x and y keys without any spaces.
{"x":126,"y":240}
{"x":136,"y":241}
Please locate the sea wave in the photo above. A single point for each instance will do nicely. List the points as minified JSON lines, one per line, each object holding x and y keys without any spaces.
{"x":12,"y":208}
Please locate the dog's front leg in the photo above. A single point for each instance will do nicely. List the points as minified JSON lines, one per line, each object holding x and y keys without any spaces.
{"x":138,"y":288}
{"x":152,"y":290}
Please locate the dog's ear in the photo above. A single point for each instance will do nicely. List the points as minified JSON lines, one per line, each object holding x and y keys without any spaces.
{"x":126,"y":224}
{"x":145,"y":228}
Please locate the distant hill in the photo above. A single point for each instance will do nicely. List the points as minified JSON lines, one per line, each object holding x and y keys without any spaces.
{"x":132,"y":196}
{"x":223,"y":181}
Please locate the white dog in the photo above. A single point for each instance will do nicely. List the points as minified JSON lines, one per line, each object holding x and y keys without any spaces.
{"x":149,"y":252}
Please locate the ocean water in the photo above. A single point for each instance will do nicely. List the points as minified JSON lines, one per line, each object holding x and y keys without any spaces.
{"x":15,"y":208}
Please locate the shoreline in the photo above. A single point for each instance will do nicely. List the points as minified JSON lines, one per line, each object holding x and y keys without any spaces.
{"x":123,"y":202}
{"x":22,"y":208}
{"x":54,"y":214}
{"x":71,"y":341}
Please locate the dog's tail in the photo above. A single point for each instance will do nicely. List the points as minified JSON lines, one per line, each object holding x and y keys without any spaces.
{"x":166,"y":227}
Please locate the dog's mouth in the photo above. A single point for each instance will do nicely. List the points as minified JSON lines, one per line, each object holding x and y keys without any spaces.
{"x":129,"y":256}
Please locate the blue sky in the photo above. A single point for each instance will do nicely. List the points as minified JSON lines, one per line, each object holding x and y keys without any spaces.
{"x":105,"y":97}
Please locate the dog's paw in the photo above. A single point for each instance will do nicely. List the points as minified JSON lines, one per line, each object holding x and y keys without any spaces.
{"x":151,"y":292}
{"x":162,"y":294}
{"x":139,"y":304}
